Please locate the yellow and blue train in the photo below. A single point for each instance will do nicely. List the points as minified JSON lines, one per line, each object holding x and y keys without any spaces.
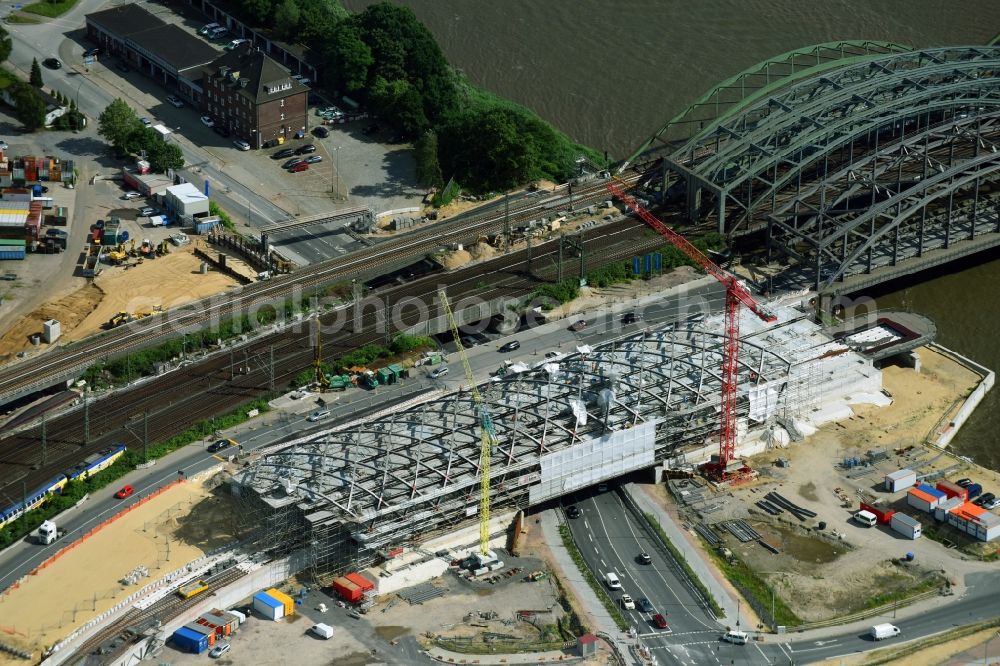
{"x":54,"y":486}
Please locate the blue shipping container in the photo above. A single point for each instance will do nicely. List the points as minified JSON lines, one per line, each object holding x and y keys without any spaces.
{"x":190,"y":641}
{"x":12,"y":254}
{"x":975,"y":490}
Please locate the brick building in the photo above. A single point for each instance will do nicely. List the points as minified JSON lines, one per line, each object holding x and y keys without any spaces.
{"x":254,"y":97}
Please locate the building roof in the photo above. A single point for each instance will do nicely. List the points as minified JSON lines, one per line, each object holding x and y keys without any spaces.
{"x":900,"y":474}
{"x":187,"y":193}
{"x":920,"y":493}
{"x":256,"y":76}
{"x":905,"y":519}
{"x":176,"y":47}
{"x":268,"y":600}
{"x":932,"y":491}
{"x":125,"y":20}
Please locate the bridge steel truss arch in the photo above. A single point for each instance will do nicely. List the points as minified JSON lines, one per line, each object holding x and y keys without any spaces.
{"x":933,"y":190}
{"x":756,"y":159}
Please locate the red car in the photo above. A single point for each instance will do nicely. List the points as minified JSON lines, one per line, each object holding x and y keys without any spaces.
{"x":660,"y":621}
{"x":578,"y":326}
{"x":295,"y":168}
{"x":126,"y":491}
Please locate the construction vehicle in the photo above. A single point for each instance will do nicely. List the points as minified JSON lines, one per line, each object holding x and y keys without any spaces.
{"x":318,"y":375}
{"x":117,"y":255}
{"x":736,"y":294}
{"x":124,"y":317}
{"x":486,"y":558}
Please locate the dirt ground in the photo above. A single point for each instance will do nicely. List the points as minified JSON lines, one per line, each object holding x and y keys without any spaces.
{"x":87,"y":581}
{"x":822,"y":573}
{"x":592,"y":299}
{"x":168,"y":281}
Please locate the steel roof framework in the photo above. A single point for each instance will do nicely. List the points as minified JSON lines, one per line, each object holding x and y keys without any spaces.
{"x":786,"y":137}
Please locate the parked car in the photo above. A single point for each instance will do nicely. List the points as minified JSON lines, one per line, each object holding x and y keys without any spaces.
{"x":439,"y":372}
{"x":644,"y":558}
{"x":321,"y":132}
{"x":578,"y":326}
{"x":52,"y":63}
{"x":984,"y":499}
{"x":219,"y":650}
{"x":660,"y":621}
{"x":283,"y":153}
{"x":627,"y":602}
{"x":207,"y":122}
{"x":308,"y":148}
{"x":146,"y":211}
{"x":241,"y":144}
{"x":235,"y":44}
{"x":3,"y":145}
{"x":175,"y":101}
{"x":131,"y":194}
{"x":964,"y":482}
{"x":509,"y":346}
{"x":992,"y":504}
{"x":298,"y":168}
{"x":630,"y":318}
{"x":573,"y":511}
{"x":145,"y":121}
{"x":645,"y":606}
{"x":313,"y":159}
{"x":205,"y":29}
{"x":126,"y":491}
{"x":318,"y":415}
{"x":290,"y":163}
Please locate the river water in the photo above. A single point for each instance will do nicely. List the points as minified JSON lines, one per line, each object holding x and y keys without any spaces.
{"x":609,"y":74}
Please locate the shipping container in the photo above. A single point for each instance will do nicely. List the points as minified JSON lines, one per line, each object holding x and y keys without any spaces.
{"x":942,"y":510}
{"x":905,"y":525}
{"x":269,"y":607}
{"x":883,"y":516}
{"x":900,"y":480}
{"x":952,"y":489}
{"x":924,"y":497}
{"x":207,"y":632}
{"x":347,"y":589}
{"x":284,"y":599}
{"x":974,"y":490}
{"x":361,"y":581}
{"x":190,"y":641}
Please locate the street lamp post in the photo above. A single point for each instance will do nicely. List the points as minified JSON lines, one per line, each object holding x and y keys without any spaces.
{"x":337,"y":157}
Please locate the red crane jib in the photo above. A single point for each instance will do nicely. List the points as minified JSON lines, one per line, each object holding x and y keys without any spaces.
{"x":736,"y":294}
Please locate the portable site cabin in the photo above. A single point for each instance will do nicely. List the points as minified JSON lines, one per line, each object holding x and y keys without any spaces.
{"x":268,"y":606}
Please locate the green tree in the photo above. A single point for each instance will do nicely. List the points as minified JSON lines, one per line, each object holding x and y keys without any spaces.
{"x":163,"y":156}
{"x":428,"y":167}
{"x":258,"y":10}
{"x":349,"y":58}
{"x":286,"y":18}
{"x":29,"y":107}
{"x":118,"y":123}
{"x":5,"y":44}
{"x":35,"y":78}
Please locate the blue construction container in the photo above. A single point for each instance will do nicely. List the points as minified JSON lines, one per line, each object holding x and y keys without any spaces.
{"x":975,"y":490}
{"x":12,"y":248}
{"x":190,"y":640}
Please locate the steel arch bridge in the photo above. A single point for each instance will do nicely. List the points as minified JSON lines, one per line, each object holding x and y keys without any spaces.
{"x":859,"y":161}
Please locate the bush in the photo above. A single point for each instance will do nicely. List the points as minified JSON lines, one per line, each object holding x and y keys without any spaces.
{"x":227,"y":222}
{"x":402,"y":344}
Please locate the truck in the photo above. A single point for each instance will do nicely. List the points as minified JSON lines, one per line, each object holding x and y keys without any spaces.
{"x":883,"y":631}
{"x":46,"y":533}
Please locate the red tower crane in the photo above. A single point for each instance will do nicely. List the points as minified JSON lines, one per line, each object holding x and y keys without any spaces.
{"x":736,"y":294}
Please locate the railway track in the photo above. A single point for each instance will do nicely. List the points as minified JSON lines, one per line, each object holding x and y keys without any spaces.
{"x":25,"y":376}
{"x":210,"y":387}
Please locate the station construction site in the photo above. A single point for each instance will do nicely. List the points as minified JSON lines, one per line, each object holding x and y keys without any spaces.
{"x":351,"y":493}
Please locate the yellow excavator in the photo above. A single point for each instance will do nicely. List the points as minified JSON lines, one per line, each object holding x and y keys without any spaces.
{"x":124,"y":317}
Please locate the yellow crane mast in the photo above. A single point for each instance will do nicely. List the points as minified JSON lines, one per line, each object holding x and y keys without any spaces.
{"x":487,"y":436}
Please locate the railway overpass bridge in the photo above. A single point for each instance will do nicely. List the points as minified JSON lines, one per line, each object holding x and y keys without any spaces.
{"x":859,"y":162}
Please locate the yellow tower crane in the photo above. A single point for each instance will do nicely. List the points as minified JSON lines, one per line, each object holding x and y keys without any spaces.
{"x":487,"y":436}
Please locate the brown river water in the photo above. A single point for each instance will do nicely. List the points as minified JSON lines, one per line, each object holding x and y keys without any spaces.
{"x":609,"y":74}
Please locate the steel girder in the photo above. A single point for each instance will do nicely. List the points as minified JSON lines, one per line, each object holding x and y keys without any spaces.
{"x":928,"y":191}
{"x":740,"y":90}
{"x":745,"y":160}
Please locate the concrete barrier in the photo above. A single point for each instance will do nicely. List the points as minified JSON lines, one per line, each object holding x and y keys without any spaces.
{"x":971,"y":402}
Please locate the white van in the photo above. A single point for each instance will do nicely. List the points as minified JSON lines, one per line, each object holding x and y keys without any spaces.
{"x":866,"y":518}
{"x":611,"y":580}
{"x":736,"y":637}
{"x":322,"y":630}
{"x":883,"y":631}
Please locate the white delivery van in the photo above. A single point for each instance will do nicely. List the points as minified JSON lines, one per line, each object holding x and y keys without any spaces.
{"x":736,"y":637}
{"x":866,"y":518}
{"x":611,"y":580}
{"x":322,"y":630}
{"x":881,"y":631}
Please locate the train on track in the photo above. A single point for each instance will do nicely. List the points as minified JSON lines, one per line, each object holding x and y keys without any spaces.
{"x":54,"y":486}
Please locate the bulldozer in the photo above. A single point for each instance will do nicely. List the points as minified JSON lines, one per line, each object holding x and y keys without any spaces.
{"x":122,"y":317}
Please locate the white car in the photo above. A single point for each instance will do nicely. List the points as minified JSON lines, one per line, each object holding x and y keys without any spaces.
{"x":175,"y":101}
{"x":241,"y":144}
{"x":145,"y":121}
{"x":207,"y":122}
{"x":219,"y":650}
{"x":628,"y":603}
{"x":205,"y":29}
{"x":235,"y":43}
{"x":131,"y":194}
{"x":316,"y":416}
{"x":439,"y":372}
{"x":3,"y":145}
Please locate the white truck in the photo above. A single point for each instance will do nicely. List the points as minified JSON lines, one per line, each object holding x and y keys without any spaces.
{"x":46,"y":533}
{"x":883,"y":631}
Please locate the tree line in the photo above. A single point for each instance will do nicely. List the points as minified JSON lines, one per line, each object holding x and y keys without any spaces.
{"x":384,"y":58}
{"x":121,"y":127}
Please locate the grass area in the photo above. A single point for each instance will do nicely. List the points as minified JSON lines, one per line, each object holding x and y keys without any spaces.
{"x":75,"y":490}
{"x":756,"y":590}
{"x":21,"y":19}
{"x":688,"y":571}
{"x":606,"y":600}
{"x":49,"y":8}
{"x":6,"y":78}
{"x":887,"y":598}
